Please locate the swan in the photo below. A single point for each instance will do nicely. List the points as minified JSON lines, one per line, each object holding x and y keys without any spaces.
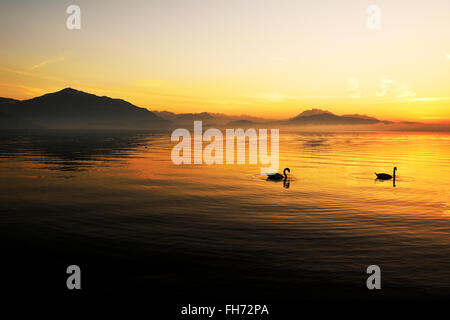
{"x":385,"y":176}
{"x":277,"y":176}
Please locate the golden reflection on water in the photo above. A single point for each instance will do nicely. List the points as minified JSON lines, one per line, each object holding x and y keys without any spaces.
{"x":334,"y":170}
{"x":334,"y":217}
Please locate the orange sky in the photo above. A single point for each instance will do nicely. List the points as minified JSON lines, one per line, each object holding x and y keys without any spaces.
{"x":271,"y":59}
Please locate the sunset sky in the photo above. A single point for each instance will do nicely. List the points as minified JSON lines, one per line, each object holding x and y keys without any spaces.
{"x":270,"y":58}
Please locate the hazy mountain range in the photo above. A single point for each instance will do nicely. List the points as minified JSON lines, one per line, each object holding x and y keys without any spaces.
{"x":323,"y":117}
{"x":73,"y":109}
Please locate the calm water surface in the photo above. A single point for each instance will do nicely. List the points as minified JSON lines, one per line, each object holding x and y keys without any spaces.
{"x":137,"y":224}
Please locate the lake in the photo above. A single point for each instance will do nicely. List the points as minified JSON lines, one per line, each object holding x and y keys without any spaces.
{"x":136,"y":224}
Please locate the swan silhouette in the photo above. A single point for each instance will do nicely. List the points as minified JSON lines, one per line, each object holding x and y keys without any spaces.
{"x":278,"y":176}
{"x":385,"y":176}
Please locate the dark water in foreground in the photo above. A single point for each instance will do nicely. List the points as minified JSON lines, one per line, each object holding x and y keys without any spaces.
{"x":115,"y":205}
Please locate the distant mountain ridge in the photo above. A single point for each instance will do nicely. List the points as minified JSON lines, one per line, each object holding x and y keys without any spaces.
{"x":9,"y":122}
{"x":7,"y":100}
{"x":183,"y":116}
{"x":323,"y":117}
{"x":357,"y":115}
{"x":73,"y":109}
{"x":210,"y":119}
{"x":312,"y":112}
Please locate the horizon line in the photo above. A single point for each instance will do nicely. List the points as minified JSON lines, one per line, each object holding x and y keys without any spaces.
{"x":440,"y":121}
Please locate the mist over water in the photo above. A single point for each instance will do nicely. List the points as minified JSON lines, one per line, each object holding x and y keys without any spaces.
{"x":116,"y":205}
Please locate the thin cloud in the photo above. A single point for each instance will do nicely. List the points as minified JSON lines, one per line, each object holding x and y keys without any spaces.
{"x":31,"y":74}
{"x":353,"y":88}
{"x":45,"y":62}
{"x":390,"y":87}
{"x":21,"y":90}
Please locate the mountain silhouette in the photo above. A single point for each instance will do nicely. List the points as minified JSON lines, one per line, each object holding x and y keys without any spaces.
{"x":9,"y":122}
{"x":323,"y":117}
{"x":183,"y":116}
{"x":73,"y":109}
{"x":313,"y":112}
{"x":211,"y":119}
{"x":7,"y":101}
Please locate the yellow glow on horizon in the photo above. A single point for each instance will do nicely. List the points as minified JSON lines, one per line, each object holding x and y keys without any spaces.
{"x":271,"y":61}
